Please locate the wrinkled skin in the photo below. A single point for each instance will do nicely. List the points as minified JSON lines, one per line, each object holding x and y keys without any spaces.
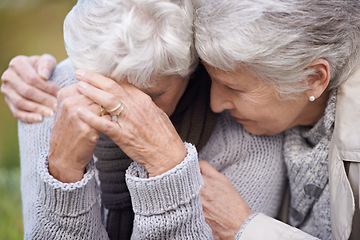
{"x":78,"y":124}
{"x":72,"y":141}
{"x":143,"y":131}
{"x":224,"y":209}
{"x":28,"y":94}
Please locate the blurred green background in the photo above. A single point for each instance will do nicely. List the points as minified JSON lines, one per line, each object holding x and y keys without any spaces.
{"x":27,"y":27}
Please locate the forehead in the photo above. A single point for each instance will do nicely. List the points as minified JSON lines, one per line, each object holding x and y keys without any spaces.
{"x":163,"y":84}
{"x":239,"y":77}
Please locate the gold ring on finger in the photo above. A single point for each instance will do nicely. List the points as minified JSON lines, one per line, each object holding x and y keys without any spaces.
{"x":114,"y":118}
{"x":102,"y":111}
{"x":115,"y":108}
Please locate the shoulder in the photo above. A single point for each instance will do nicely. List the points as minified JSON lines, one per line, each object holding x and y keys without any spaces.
{"x":63,"y":74}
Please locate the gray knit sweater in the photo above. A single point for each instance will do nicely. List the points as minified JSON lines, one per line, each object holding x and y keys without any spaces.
{"x":166,"y":206}
{"x":306,"y":154}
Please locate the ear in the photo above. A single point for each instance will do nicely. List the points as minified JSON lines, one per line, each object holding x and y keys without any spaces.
{"x":319,"y":81}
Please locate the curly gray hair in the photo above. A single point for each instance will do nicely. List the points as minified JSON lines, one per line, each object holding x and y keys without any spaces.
{"x":134,"y":40}
{"x":277,"y":39}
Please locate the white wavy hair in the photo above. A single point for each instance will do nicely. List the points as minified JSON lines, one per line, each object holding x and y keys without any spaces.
{"x":135,"y":40}
{"x":277,"y":39}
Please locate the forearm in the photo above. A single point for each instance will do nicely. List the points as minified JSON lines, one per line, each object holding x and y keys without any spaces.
{"x":55,"y":210}
{"x":33,"y":140}
{"x":168,"y":206}
{"x":67,"y":210}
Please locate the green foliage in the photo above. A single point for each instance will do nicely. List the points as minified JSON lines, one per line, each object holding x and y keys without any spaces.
{"x":11,"y":227}
{"x":27,"y":27}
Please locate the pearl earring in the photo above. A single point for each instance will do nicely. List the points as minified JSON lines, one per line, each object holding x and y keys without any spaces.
{"x":312,"y":98}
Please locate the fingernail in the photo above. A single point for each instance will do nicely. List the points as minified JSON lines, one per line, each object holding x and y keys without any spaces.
{"x":83,"y":85}
{"x":44,"y":73}
{"x":79,"y":73}
{"x":38,"y":118}
{"x":49,"y":113}
{"x":55,"y":106}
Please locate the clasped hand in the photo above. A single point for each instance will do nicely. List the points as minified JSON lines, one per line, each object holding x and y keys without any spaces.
{"x":143,"y":131}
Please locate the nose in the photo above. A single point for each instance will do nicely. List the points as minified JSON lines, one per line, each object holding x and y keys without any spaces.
{"x":220,"y":100}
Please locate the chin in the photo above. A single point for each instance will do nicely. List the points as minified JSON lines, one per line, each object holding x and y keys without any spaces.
{"x":259,"y":131}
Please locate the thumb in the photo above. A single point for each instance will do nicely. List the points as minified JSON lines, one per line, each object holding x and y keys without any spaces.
{"x":46,"y":65}
{"x":207,"y":170}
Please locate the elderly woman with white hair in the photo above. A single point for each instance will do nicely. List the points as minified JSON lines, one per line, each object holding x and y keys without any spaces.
{"x":147,"y":44}
{"x":293,"y":67}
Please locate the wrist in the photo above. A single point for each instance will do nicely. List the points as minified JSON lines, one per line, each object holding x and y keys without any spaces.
{"x":65,"y":173}
{"x":165,"y":164}
{"x":243,"y":219}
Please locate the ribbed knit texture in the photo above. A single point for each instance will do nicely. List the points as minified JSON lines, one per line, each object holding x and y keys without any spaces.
{"x":306,"y":152}
{"x":168,"y":202}
{"x":253,"y":164}
{"x":194,"y":122}
{"x":33,"y":140}
{"x":55,"y":210}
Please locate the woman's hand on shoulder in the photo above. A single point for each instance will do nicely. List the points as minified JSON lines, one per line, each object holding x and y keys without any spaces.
{"x":224,"y":209}
{"x":28,"y":94}
{"x":140,"y":128}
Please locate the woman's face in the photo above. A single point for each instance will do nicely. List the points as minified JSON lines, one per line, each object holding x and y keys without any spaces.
{"x":167,"y":93}
{"x":253,"y":103}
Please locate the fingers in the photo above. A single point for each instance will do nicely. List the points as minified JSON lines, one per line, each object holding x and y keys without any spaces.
{"x":20,"y":106}
{"x":109,"y":93}
{"x":208,"y":170}
{"x":45,"y":66}
{"x":22,"y":115}
{"x":71,"y":98}
{"x":23,"y":109}
{"x":25,"y":68}
{"x":102,"y":82}
{"x":107,"y":100}
{"x":13,"y":87}
{"x":69,"y":91}
{"x":29,"y":97}
{"x":101,"y":124}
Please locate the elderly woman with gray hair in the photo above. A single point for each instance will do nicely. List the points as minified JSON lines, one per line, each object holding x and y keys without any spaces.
{"x":147,"y":44}
{"x":293,"y":67}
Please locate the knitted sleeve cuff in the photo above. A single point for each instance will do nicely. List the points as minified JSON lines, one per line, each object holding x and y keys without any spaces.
{"x":167,"y":191}
{"x":247,"y":221}
{"x":66,"y":199}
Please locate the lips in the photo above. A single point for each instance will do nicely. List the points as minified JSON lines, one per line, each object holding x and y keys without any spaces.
{"x":240,"y":120}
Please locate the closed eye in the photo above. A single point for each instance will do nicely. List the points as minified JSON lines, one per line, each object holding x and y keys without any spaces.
{"x":156,"y":95}
{"x":233,"y":89}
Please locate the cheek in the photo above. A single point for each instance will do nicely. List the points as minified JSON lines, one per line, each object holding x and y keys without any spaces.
{"x":251,"y":110}
{"x":265,"y":114}
{"x":168,"y":105}
{"x":273,"y":119}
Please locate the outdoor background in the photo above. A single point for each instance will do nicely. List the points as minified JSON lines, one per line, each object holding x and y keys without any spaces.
{"x":27,"y":27}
